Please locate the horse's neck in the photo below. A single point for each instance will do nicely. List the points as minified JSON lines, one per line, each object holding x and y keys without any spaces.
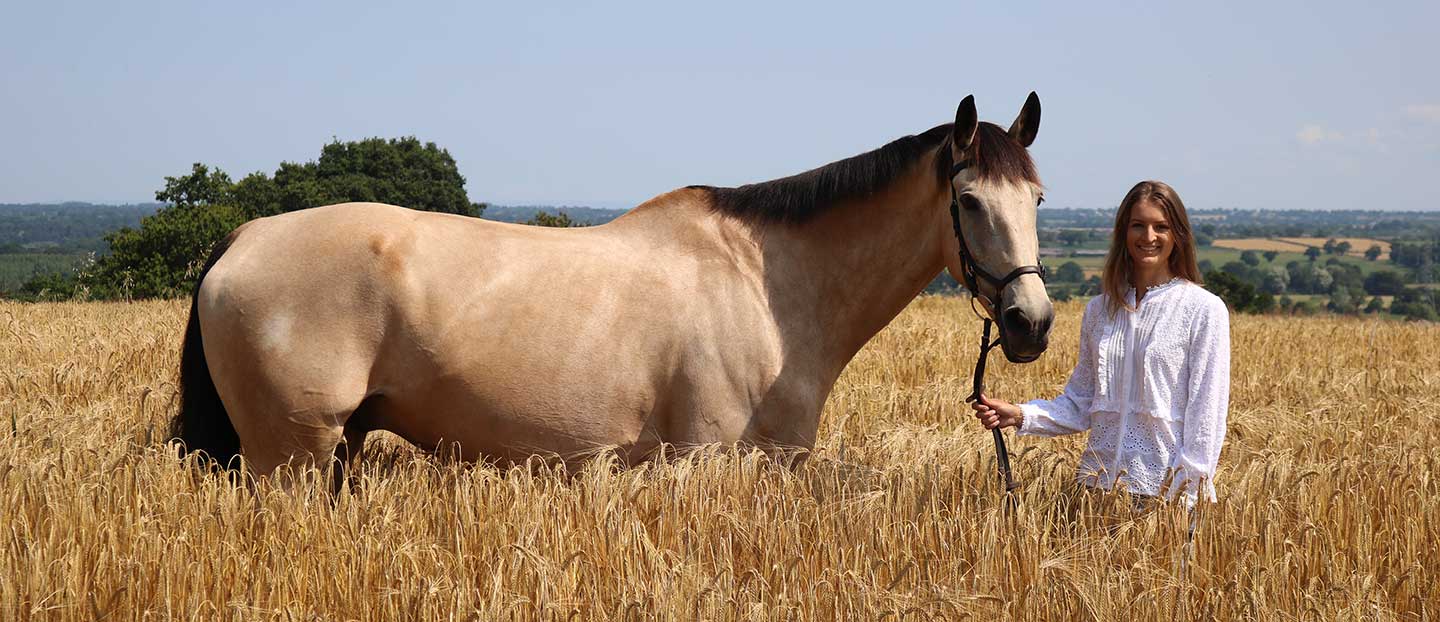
{"x":835,"y":281}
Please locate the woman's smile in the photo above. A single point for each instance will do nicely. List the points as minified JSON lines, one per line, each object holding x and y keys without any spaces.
{"x":1148,"y":236}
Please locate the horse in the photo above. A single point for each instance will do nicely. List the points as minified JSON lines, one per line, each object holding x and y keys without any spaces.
{"x":706,"y":315}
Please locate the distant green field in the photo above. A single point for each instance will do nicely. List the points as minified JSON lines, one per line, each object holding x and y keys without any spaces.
{"x":16,"y":268}
{"x":1092,"y":264}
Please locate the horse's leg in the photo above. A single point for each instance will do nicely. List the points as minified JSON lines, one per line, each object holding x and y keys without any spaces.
{"x":347,"y":453}
{"x":351,"y":447}
{"x":287,"y":429}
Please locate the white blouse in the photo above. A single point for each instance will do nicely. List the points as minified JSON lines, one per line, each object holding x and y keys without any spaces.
{"x":1152,"y":386}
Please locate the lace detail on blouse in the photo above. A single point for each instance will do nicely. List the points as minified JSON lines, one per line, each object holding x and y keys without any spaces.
{"x":1152,"y":387}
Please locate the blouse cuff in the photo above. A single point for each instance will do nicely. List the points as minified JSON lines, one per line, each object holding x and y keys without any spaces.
{"x":1030,"y":416}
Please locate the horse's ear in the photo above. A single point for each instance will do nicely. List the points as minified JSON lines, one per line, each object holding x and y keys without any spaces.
{"x":965,"y":123}
{"x":1027,"y":125}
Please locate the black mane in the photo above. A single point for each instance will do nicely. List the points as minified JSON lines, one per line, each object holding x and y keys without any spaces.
{"x":995,"y":155}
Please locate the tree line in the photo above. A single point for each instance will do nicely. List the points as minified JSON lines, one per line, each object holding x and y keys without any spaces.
{"x":1247,"y":286}
{"x":162,"y":256}
{"x":1257,"y":283}
{"x":64,"y":228}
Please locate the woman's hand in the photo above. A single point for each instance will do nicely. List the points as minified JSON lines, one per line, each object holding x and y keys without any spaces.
{"x":994,"y":413}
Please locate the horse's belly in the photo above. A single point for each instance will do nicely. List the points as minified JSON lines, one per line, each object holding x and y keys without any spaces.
{"x":510,"y":415}
{"x":511,"y":374}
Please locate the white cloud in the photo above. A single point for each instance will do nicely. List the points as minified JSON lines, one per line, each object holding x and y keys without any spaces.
{"x":1424,"y":112}
{"x":1314,"y":135}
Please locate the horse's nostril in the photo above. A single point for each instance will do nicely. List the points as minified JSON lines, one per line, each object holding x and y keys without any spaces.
{"x":1015,"y":318}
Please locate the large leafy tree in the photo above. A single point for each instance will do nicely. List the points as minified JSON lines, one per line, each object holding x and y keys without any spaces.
{"x":1070,"y":272}
{"x":1239,"y":295}
{"x":402,"y":172}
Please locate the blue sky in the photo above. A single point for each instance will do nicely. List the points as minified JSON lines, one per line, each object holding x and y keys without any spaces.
{"x":1237,"y":104}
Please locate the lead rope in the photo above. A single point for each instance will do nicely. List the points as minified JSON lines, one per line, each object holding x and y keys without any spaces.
{"x":1002,"y":456}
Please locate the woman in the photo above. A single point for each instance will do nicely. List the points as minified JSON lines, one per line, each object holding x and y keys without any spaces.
{"x":1152,"y":384}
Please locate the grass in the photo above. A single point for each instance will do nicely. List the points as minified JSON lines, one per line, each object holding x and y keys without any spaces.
{"x":1330,"y":500}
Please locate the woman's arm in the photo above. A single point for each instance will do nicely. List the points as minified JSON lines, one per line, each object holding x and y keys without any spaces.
{"x":1067,"y":414}
{"x":1207,"y":403}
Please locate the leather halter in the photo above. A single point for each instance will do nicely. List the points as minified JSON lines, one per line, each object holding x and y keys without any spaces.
{"x":971,"y":273}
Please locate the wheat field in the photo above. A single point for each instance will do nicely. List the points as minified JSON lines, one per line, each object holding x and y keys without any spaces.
{"x":1358,"y":246}
{"x":1329,"y":510}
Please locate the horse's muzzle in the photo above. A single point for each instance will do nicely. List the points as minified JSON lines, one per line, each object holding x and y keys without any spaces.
{"x":1024,"y":338}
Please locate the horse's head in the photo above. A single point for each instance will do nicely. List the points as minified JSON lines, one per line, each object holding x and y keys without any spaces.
{"x":995,"y":191}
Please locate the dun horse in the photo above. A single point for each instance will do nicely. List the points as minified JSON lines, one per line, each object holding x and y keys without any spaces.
{"x":705,"y":315}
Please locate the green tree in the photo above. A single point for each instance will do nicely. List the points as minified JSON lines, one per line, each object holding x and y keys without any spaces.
{"x":1070,"y":272}
{"x":1239,"y":295}
{"x":1309,"y":278}
{"x":1416,"y":304}
{"x":1313,"y":253}
{"x":54,"y":286}
{"x":1271,"y":255}
{"x":1415,"y":254}
{"x":559,"y":219}
{"x":1263,"y":303}
{"x":1238,"y":270}
{"x":201,"y":187}
{"x":1073,"y":237}
{"x":1275,"y":280}
{"x":1342,"y":302}
{"x":1342,"y":248}
{"x":257,"y":195}
{"x":1324,"y":280}
{"x":1330,"y":246}
{"x":1373,"y":252}
{"x":401,"y":171}
{"x":1343,"y":274}
{"x":1384,"y":283}
{"x":1251,"y":258}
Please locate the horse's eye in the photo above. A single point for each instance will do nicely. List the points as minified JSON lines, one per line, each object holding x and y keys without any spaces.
{"x":1041,"y":201}
{"x":969,"y":202}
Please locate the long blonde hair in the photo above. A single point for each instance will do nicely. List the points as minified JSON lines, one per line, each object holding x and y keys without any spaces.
{"x":1115,"y":280}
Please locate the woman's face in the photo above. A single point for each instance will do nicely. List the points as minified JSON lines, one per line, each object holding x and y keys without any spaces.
{"x":1148,"y":237}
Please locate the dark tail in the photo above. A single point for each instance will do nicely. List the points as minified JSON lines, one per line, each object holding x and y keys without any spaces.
{"x":202,"y":424}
